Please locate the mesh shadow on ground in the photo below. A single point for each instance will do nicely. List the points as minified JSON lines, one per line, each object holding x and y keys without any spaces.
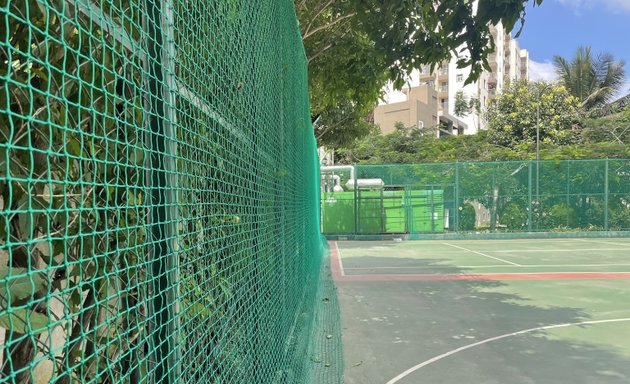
{"x":325,"y":354}
{"x":391,"y":326}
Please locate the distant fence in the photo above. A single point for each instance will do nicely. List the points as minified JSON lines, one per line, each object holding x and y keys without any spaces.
{"x":158,"y":193}
{"x":508,"y":197}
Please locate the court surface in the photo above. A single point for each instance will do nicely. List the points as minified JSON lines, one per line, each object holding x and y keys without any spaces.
{"x":485,"y":311}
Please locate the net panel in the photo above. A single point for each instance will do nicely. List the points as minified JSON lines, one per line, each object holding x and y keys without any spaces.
{"x":510,"y":197}
{"x":158,"y":193}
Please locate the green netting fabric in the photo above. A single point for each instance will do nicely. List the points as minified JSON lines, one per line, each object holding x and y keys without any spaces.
{"x":506,"y":197}
{"x":159,"y":212}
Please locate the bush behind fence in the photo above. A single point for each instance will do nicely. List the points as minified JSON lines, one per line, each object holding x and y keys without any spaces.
{"x":158,"y":192}
{"x":516,"y":196}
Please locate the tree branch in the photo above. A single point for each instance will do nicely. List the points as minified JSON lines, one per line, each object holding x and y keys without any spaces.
{"x":327,"y":47}
{"x":316,"y":16}
{"x":328,"y":25}
{"x":333,"y":126}
{"x":300,"y":6}
{"x":318,"y":53}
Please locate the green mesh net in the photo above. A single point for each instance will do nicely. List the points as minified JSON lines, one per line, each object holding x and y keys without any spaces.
{"x":159,"y":194}
{"x":572,"y":196}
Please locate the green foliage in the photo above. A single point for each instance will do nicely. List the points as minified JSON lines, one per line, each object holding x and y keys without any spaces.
{"x":463,"y":106}
{"x":467,"y":217}
{"x":65,"y":155}
{"x":559,"y":216}
{"x":513,"y":216}
{"x":146,"y":152}
{"x":355,"y":46}
{"x":619,"y":217}
{"x":410,"y":145}
{"x":593,"y":80}
{"x":614,"y":129}
{"x":339,"y":126}
{"x":515,"y":115}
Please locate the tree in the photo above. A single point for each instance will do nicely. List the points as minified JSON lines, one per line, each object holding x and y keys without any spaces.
{"x":354,"y":47}
{"x":463,"y":106}
{"x":514,"y":116}
{"x":614,"y":128}
{"x":593,"y":80}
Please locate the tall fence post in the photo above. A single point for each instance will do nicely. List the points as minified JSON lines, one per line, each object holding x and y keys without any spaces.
{"x":160,"y":143}
{"x":606,"y":194}
{"x":457,"y":197}
{"x":529,"y":197}
{"x":568,"y":191}
{"x":356,"y":201}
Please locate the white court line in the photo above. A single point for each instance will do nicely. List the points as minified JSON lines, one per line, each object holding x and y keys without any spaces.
{"x":482,"y":254}
{"x":465,"y":347}
{"x":604,"y":242}
{"x":560,"y":250}
{"x":343,"y":272}
{"x":495,"y":266}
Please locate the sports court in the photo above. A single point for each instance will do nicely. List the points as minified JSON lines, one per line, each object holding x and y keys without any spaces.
{"x":485,"y":311}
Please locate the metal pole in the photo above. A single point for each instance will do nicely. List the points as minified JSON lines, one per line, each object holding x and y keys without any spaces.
{"x":456,"y":197}
{"x":568,"y":190}
{"x":538,"y":156}
{"x":540,"y":92}
{"x":356,"y":202}
{"x":529,"y":196}
{"x":160,"y":140}
{"x":606,"y":195}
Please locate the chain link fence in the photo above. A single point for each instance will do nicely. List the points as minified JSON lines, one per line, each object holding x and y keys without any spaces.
{"x":158,"y":193}
{"x":571,"y":196}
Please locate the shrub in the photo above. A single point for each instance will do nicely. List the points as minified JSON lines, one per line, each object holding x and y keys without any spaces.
{"x":513,"y":216}
{"x":467,"y":217}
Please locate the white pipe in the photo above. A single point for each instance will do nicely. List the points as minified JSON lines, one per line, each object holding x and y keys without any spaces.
{"x":339,"y":168}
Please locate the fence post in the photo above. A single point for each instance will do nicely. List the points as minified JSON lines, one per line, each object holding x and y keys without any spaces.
{"x":356,"y":201}
{"x":606,"y":194}
{"x":162,"y":198}
{"x":457,"y":197}
{"x":529,"y":197}
{"x":568,"y":191}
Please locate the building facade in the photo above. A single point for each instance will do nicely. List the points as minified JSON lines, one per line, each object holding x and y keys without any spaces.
{"x":507,"y":63}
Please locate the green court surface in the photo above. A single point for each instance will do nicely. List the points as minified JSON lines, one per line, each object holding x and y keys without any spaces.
{"x":500,"y":311}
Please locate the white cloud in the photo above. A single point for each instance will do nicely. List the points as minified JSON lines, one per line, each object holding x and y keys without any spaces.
{"x":541,"y":71}
{"x":616,"y":6}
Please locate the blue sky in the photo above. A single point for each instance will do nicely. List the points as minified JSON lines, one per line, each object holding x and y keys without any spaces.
{"x":559,"y":27}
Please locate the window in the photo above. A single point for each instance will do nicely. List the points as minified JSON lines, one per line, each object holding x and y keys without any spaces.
{"x":460,"y":78}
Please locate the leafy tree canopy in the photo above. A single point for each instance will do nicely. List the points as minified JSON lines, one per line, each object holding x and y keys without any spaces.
{"x":354,"y":47}
{"x":594,"y":80}
{"x":515,"y":115}
{"x":605,"y":137}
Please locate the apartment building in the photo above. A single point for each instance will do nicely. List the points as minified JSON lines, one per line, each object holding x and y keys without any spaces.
{"x":507,"y":63}
{"x":416,"y":106}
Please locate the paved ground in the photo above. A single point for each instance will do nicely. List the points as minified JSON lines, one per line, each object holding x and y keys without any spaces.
{"x":482,"y":330}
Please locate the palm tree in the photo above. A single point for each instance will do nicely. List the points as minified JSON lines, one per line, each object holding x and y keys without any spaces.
{"x":593,"y":80}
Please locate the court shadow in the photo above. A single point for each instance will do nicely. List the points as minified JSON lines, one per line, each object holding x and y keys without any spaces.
{"x":361,"y":265}
{"x":391,"y":326}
